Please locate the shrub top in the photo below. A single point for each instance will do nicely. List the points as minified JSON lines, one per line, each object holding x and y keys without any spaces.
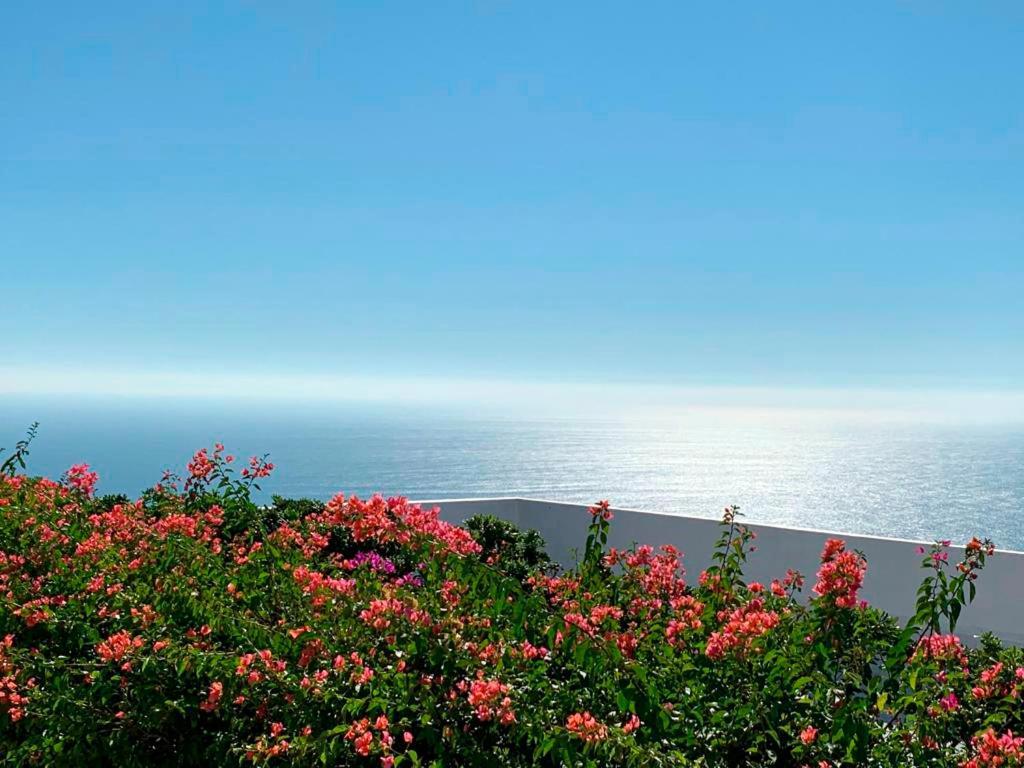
{"x":192,"y":627}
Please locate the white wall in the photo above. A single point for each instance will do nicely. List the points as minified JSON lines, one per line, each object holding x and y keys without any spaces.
{"x":894,"y":571}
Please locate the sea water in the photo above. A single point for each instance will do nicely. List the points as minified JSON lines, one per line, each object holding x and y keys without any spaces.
{"x":871,"y":476}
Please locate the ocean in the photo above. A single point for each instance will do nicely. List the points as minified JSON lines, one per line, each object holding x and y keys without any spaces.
{"x":869,"y":476}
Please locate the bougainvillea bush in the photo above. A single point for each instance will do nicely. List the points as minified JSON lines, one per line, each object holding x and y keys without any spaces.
{"x":194,"y":627}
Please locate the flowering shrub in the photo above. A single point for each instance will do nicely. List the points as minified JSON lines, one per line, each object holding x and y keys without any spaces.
{"x":193,"y":627}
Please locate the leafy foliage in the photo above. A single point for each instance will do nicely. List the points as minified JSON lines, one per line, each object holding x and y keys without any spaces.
{"x":16,"y":461}
{"x":194,"y":627}
{"x":515,"y":552}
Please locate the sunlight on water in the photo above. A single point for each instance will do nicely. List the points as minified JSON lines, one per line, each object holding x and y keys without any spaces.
{"x":856,"y":475}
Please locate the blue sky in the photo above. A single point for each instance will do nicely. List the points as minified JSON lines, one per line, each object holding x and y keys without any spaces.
{"x":796,"y":195}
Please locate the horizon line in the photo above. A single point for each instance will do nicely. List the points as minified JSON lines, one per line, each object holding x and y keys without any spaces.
{"x":993,"y":404}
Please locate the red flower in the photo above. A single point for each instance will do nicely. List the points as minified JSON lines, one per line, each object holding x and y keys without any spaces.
{"x":118,"y":646}
{"x":79,"y":476}
{"x":585,"y":726}
{"x":991,"y":750}
{"x":491,"y":701}
{"x":602,"y":509}
{"x":632,"y":723}
{"x":201,"y":466}
{"x":741,"y":628}
{"x":841,"y":574}
{"x":213,"y":697}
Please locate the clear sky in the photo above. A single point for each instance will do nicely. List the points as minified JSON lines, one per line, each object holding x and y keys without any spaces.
{"x":787,"y":195}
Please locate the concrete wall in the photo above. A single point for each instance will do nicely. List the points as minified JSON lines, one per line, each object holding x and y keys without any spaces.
{"x":894,"y":571}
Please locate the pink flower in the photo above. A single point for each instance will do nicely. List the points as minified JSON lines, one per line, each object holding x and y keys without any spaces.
{"x":118,"y":645}
{"x":213,"y":697}
{"x":991,"y":749}
{"x":602,"y":509}
{"x":396,"y":520}
{"x":741,"y":628}
{"x":841,"y":574}
{"x":201,"y":466}
{"x":808,"y":735}
{"x":490,"y":699}
{"x":79,"y":476}
{"x":940,"y":648}
{"x":585,"y":726}
{"x":257,"y":468}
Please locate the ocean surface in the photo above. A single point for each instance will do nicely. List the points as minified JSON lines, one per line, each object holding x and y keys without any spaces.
{"x":905,"y":479}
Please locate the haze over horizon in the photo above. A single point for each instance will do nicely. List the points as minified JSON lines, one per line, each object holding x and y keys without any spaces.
{"x":512,"y":398}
